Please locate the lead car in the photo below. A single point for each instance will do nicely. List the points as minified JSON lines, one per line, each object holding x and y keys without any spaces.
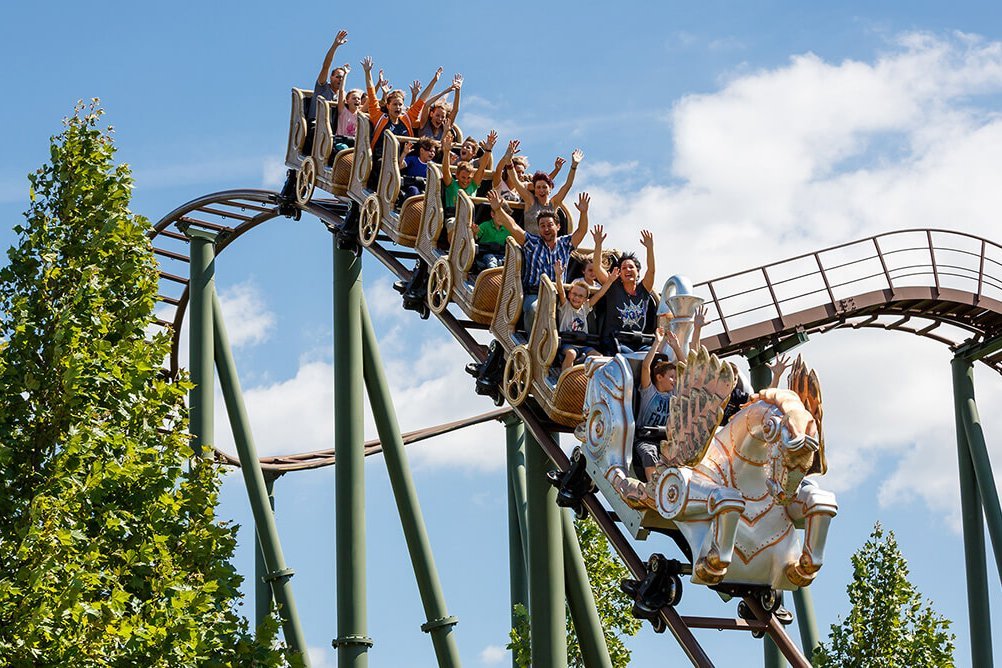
{"x":737,"y":492}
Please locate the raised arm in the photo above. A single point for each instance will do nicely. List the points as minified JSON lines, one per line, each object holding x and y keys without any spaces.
{"x":339,"y":40}
{"x":341,"y":91}
{"x":370,"y":91}
{"x":698,"y":320}
{"x":584,"y":201}
{"x":779,"y":367}
{"x":447,"y":154}
{"x":457,"y":86}
{"x":598,"y":234}
{"x":415,"y":87}
{"x":558,"y":164}
{"x":576,"y":157}
{"x":558,"y":274}
{"x":645,"y":366}
{"x":520,"y":188}
{"x":408,"y":146}
{"x":501,"y":216}
{"x":647,"y":240}
{"x":485,"y":159}
{"x":595,"y":298}
{"x":673,"y":343}
{"x":431,"y":85}
{"x":502,"y":163}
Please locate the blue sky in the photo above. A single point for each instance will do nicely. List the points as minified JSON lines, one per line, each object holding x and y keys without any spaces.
{"x":739,"y":134}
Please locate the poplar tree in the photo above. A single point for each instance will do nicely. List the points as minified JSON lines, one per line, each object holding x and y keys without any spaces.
{"x":110,"y":552}
{"x":889,"y":625}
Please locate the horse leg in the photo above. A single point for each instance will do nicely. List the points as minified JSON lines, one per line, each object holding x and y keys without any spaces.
{"x":816,"y":507}
{"x":724,"y":505}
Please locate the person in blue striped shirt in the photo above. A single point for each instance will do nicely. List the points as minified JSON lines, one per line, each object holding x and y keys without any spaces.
{"x":541,"y":251}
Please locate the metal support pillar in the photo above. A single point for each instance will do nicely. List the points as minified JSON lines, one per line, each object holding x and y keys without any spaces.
{"x":201,"y":288}
{"x":278,"y":575}
{"x":581,"y":600}
{"x":546,"y":564}
{"x":989,"y":494}
{"x":978,"y":609}
{"x":806,"y":621}
{"x":352,"y":642}
{"x":518,"y":583}
{"x":440,"y":624}
{"x":262,"y":590}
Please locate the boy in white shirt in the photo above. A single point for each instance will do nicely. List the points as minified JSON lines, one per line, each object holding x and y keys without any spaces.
{"x":572,"y":314}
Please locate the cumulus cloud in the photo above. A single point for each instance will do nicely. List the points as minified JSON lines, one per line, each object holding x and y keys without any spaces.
{"x":492,"y":655}
{"x":248,"y":321}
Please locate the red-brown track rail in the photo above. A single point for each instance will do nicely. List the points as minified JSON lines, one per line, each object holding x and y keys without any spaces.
{"x":940,"y":284}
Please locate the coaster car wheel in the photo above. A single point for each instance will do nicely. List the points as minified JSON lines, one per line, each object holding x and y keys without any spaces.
{"x":517,"y":376}
{"x":306,"y":180}
{"x":369,"y":219}
{"x":440,"y":285}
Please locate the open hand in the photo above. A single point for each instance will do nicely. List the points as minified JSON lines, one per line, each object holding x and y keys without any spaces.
{"x":558,"y":164}
{"x":598,"y":234}
{"x":457,"y":81}
{"x":699,"y":318}
{"x":647,"y":239}
{"x":512,"y":148}
{"x":367,"y":65}
{"x":584,"y":201}
{"x":492,"y":138}
{"x":341,"y":39}
{"x":494,"y":198}
{"x":415,"y":87}
{"x":576,"y":157}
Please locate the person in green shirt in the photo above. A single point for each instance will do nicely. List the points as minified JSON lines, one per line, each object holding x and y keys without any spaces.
{"x":467,"y":176}
{"x":490,"y":245}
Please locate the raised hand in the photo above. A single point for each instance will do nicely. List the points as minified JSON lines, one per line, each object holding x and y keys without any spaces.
{"x":415,"y":87}
{"x":576,"y":157}
{"x":558,"y":269}
{"x":584,"y":201}
{"x":446,"y":136}
{"x":512,"y":148}
{"x":438,"y":74}
{"x":598,"y":234}
{"x":492,"y":138}
{"x":699,"y":318}
{"x":408,"y":147}
{"x":646,"y":239}
{"x":559,"y":163}
{"x":367,"y":66}
{"x":457,"y":81}
{"x":381,"y":82}
{"x":614,"y":274}
{"x":341,"y":39}
{"x":494,"y":198}
{"x":347,"y":68}
{"x":780,"y":365}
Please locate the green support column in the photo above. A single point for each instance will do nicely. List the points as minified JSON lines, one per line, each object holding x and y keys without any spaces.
{"x":201,"y":287}
{"x":978,"y":610}
{"x":806,"y":621}
{"x":278,"y":575}
{"x":581,"y":600}
{"x":518,"y":583}
{"x":352,"y":642}
{"x":440,"y":624}
{"x":979,"y":456}
{"x":262,"y":590}
{"x":546,"y":563}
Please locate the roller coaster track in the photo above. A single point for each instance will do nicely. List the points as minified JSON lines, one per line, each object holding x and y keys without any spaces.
{"x":933,"y":283}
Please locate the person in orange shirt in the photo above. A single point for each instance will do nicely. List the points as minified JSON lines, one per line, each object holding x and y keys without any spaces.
{"x":397,"y":119}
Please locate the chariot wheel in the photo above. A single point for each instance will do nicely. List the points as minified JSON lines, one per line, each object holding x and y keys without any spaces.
{"x":306,"y":180}
{"x":517,"y":376}
{"x":440,"y":285}
{"x":369,"y":218}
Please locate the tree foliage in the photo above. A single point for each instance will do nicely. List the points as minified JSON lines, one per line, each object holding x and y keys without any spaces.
{"x":110,"y":553}
{"x":605,"y":572}
{"x":888,"y":625}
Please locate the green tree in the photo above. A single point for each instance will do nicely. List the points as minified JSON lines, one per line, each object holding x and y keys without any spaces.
{"x":110,"y":553}
{"x":888,"y":625}
{"x":605,"y":572}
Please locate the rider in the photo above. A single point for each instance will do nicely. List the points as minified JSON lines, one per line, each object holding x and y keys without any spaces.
{"x":657,"y":386}
{"x":626,"y":302}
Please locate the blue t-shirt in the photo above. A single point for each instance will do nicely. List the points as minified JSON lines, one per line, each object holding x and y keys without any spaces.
{"x":414,"y":167}
{"x":328,"y":94}
{"x":653,"y":407}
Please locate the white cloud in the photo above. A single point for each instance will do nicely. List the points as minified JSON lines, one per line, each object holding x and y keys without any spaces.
{"x":320,"y":657}
{"x":273,"y":171}
{"x":248,"y":320}
{"x":493,"y":655}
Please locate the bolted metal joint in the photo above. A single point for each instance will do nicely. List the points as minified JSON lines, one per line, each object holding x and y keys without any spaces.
{"x":573,"y":485}
{"x":660,"y":588}
{"x":285,"y":573}
{"x":352,"y":640}
{"x":435,"y":624}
